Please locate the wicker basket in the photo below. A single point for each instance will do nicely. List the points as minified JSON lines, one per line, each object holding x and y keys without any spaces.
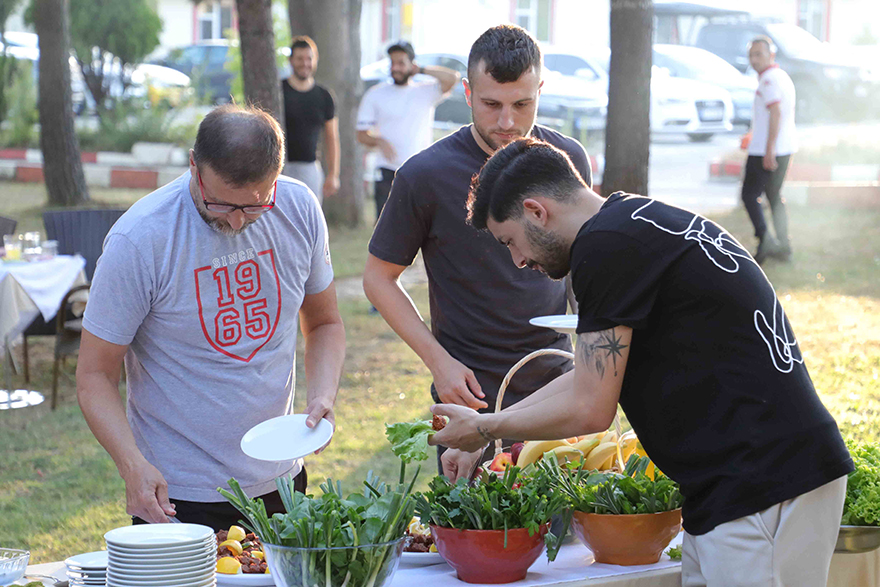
{"x":506,"y":381}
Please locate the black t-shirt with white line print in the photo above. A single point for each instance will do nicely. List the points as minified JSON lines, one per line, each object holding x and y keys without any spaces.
{"x":715,"y":384}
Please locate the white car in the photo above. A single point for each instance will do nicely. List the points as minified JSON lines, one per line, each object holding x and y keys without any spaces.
{"x":678,"y":106}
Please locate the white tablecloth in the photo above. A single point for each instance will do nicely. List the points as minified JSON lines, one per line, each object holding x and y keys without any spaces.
{"x":30,"y":289}
{"x":847,"y":570}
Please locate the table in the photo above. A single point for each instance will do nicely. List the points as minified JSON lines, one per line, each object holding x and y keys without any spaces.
{"x":28,"y":290}
{"x":847,"y":570}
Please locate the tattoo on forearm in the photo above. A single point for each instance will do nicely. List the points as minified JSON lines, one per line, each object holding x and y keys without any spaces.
{"x":485,"y":433}
{"x":595,"y":348}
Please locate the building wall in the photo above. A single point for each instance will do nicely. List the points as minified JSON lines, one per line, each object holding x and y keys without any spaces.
{"x":177,"y":20}
{"x":581,"y":22}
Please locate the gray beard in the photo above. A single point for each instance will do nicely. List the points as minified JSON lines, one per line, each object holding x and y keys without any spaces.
{"x":223,"y":229}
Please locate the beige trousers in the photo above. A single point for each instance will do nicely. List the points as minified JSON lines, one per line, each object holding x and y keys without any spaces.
{"x":787,"y":545}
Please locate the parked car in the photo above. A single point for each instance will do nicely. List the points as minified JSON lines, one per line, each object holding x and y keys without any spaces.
{"x":826,"y":80}
{"x":148,"y":86}
{"x":566,"y":103}
{"x":701,"y":65}
{"x":205,"y":63}
{"x":696,"y":109}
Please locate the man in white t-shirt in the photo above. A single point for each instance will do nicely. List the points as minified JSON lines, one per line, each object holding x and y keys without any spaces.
{"x":200,"y":288}
{"x":773,"y":140}
{"x":397,"y":116}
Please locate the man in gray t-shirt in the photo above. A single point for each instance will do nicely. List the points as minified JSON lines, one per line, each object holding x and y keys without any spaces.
{"x":201,"y":288}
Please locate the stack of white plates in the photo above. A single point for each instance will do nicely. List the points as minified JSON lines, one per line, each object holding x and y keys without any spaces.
{"x":161,"y":555}
{"x":87,"y":570}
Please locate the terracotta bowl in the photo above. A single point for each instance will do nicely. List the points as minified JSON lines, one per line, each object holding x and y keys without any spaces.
{"x":636,"y":539}
{"x":479,"y":556}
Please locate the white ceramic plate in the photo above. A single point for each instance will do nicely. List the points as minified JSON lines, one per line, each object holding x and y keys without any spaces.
{"x":165,"y":551}
{"x":149,"y":536}
{"x":247,"y":579}
{"x":164,"y":580}
{"x":285,"y":438}
{"x":125,"y":565}
{"x":135,"y":572}
{"x":89,"y":560}
{"x":421,"y":558}
{"x":564,"y":323}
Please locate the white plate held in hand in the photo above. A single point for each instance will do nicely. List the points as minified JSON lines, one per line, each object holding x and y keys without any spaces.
{"x":285,"y":438}
{"x":564,"y":323}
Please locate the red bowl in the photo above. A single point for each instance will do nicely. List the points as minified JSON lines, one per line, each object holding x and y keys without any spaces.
{"x":479,"y":556}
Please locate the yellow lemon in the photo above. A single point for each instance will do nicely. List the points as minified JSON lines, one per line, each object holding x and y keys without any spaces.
{"x":267,"y":571}
{"x":232,"y":545}
{"x":258,"y":554}
{"x":433,"y":548}
{"x":236,"y":533}
{"x":228,"y":565}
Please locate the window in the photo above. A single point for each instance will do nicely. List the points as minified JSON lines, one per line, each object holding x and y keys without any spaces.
{"x":215,"y":18}
{"x":534,"y":16}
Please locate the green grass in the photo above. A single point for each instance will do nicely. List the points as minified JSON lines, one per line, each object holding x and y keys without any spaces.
{"x":59,"y":491}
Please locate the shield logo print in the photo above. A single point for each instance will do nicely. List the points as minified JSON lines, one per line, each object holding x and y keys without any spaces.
{"x":239,"y":302}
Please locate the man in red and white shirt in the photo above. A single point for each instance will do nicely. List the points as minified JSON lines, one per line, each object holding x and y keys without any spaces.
{"x":773,"y":140}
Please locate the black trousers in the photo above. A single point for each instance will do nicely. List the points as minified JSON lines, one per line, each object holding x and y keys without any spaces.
{"x":759,"y":181}
{"x":381,"y":189}
{"x":222,"y":514}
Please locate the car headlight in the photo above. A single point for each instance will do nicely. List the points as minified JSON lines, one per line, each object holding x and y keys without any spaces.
{"x":833,"y":73}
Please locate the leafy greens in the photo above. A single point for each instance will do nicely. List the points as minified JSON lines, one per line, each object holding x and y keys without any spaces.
{"x":409,"y":440}
{"x":862,"y":504}
{"x":351,"y":540}
{"x":515,"y":500}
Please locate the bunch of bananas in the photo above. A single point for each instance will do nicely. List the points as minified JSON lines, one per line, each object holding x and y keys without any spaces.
{"x":598,"y":451}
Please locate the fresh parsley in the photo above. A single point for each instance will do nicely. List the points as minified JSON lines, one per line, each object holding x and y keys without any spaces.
{"x":674,"y":553}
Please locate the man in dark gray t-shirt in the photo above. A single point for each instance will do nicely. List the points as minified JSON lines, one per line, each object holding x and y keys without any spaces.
{"x":480,"y":304}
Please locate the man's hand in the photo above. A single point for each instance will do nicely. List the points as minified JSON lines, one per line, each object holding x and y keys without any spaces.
{"x":463,"y":430}
{"x":319,"y":408}
{"x":456,"y":384}
{"x":146,"y":494}
{"x":458,"y":463}
{"x":331,"y":186}
{"x":770,"y":161}
{"x":388,"y":150}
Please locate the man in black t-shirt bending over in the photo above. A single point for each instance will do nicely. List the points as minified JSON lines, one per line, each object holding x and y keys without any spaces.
{"x":678,"y":324}
{"x":309,"y":110}
{"x":480,"y":304}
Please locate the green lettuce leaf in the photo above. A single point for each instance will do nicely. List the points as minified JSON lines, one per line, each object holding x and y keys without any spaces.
{"x":409,"y":440}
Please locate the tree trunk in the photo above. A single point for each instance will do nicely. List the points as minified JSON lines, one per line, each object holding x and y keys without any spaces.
{"x":259,"y":72}
{"x":628,"y":130}
{"x":335,"y":27}
{"x":62,"y":165}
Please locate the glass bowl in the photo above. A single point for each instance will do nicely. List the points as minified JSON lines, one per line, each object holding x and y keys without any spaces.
{"x":13,"y":563}
{"x":354,"y":566}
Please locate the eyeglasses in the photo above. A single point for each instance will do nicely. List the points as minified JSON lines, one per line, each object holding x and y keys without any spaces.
{"x":253,"y":210}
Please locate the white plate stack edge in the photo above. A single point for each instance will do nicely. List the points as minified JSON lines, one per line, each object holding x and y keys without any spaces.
{"x":87,"y":570}
{"x":161,"y":555}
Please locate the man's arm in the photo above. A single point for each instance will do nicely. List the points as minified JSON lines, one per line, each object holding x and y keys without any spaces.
{"x":455,"y":383}
{"x":331,"y":148}
{"x":588,"y":405}
{"x":368,"y":138}
{"x":772,"y":133}
{"x":324,"y":337}
{"x":447,"y":77}
{"x":97,"y":389}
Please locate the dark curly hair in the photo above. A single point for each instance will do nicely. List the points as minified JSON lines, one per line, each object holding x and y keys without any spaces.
{"x":507,"y":51}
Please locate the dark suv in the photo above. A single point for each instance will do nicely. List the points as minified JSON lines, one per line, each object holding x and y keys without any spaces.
{"x":827,"y":84}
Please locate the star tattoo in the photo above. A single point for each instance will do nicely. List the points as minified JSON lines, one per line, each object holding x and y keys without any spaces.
{"x":612,"y":347}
